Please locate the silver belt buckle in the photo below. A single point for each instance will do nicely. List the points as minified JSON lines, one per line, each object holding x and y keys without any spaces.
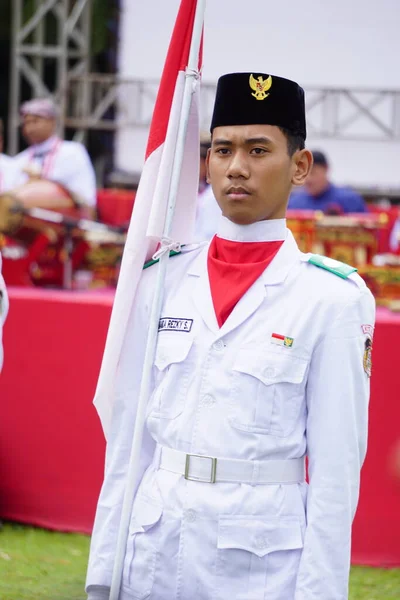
{"x":213,"y":467}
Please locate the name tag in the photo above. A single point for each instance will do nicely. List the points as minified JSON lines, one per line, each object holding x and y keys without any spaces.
{"x":169,"y":324}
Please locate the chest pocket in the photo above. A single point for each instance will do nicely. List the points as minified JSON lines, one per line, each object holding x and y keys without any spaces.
{"x":172,"y":374}
{"x":267,"y":391}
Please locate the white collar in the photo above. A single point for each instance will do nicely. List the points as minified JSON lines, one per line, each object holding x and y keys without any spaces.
{"x":45,"y":146}
{"x":262,"y":231}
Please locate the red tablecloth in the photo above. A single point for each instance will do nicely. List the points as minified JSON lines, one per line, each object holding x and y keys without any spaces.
{"x":51,"y":442}
{"x":52,"y":447}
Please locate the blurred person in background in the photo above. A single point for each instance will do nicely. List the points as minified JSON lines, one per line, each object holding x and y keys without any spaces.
{"x":9,"y":172}
{"x":394,"y":239}
{"x":3,"y":312}
{"x":208,"y":212}
{"x":50,"y":157}
{"x":319,"y":193}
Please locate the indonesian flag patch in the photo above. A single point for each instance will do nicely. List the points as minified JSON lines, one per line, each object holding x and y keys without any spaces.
{"x":282,"y":340}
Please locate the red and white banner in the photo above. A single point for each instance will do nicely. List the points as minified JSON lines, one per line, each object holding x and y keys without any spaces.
{"x":148,"y":217}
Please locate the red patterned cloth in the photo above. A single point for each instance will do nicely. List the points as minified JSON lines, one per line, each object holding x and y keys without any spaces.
{"x":233,"y":267}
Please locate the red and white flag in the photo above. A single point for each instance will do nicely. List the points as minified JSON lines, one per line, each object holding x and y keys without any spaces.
{"x":148,"y":217}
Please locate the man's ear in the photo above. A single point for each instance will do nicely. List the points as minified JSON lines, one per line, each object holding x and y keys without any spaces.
{"x":303,"y":160}
{"x":207,"y":166}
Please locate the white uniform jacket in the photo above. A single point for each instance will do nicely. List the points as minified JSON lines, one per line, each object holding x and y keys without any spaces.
{"x":65,"y":162}
{"x":231,"y":392}
{"x":3,"y":312}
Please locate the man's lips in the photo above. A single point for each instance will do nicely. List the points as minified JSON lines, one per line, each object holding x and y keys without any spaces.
{"x":237,"y":193}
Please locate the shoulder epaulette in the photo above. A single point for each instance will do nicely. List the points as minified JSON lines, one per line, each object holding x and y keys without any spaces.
{"x":150,"y":263}
{"x":334,"y":266}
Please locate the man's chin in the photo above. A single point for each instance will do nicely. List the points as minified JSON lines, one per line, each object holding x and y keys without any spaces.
{"x":241,"y":218}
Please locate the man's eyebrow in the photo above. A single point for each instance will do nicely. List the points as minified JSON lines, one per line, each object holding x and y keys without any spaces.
{"x":258,"y":140}
{"x":254,"y":140}
{"x":221,"y":142}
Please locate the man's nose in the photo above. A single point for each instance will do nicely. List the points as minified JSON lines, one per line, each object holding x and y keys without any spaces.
{"x":238,"y":166}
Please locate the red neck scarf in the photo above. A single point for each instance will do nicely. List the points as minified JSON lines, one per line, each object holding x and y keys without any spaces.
{"x":233,"y":267}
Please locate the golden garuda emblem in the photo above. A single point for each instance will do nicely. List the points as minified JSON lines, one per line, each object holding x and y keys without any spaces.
{"x":260,"y":86}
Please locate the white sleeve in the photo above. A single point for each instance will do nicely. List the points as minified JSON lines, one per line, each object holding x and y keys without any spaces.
{"x":337,"y":422}
{"x":109,"y":507}
{"x":3,"y":312}
{"x":78,"y":175}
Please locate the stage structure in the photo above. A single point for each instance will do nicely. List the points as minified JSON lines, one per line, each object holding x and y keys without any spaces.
{"x":341,"y":114}
{"x":53,"y":37}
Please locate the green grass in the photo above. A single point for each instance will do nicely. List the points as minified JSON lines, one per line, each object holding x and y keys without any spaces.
{"x":374,"y":584}
{"x":44,"y":565}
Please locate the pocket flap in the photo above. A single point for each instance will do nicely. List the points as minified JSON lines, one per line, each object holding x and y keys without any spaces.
{"x":259,"y":536}
{"x":271,"y":367}
{"x":172,"y":347}
{"x":144,"y":515}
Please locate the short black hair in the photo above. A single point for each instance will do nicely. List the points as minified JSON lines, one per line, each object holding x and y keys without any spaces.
{"x":294,"y":142}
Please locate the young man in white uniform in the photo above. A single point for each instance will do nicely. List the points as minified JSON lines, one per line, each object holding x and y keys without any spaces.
{"x":65,"y":162}
{"x":263,"y":358}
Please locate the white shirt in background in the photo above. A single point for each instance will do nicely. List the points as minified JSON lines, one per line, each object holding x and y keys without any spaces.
{"x":65,"y":162}
{"x":208,"y":215}
{"x":9,"y":173}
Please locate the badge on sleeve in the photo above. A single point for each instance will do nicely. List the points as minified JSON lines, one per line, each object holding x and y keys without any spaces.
{"x":368,"y":329}
{"x":367,"y":359}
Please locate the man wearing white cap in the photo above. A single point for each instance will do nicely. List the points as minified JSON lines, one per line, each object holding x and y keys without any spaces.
{"x":65,"y":162}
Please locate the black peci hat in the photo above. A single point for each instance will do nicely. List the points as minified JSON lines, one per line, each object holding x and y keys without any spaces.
{"x":259,"y":99}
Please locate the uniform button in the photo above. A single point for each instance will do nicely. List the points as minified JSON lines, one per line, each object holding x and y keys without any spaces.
{"x":190,"y":516}
{"x":208,"y":400}
{"x":269,"y":372}
{"x":262,"y":542}
{"x":219,"y":345}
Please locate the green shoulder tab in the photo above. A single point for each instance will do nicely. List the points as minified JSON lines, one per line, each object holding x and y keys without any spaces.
{"x":334,"y":266}
{"x":150,"y":263}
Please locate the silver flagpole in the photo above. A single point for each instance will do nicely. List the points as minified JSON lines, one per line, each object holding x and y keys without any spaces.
{"x":134,"y":459}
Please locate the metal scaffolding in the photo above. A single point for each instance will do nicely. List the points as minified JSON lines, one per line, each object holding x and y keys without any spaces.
{"x":341,"y":114}
{"x":57,"y":37}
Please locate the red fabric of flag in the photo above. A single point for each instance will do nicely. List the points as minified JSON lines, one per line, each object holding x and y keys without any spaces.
{"x":177,"y":60}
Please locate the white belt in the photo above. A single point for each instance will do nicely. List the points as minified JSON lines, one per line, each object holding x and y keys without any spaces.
{"x":213,"y":470}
